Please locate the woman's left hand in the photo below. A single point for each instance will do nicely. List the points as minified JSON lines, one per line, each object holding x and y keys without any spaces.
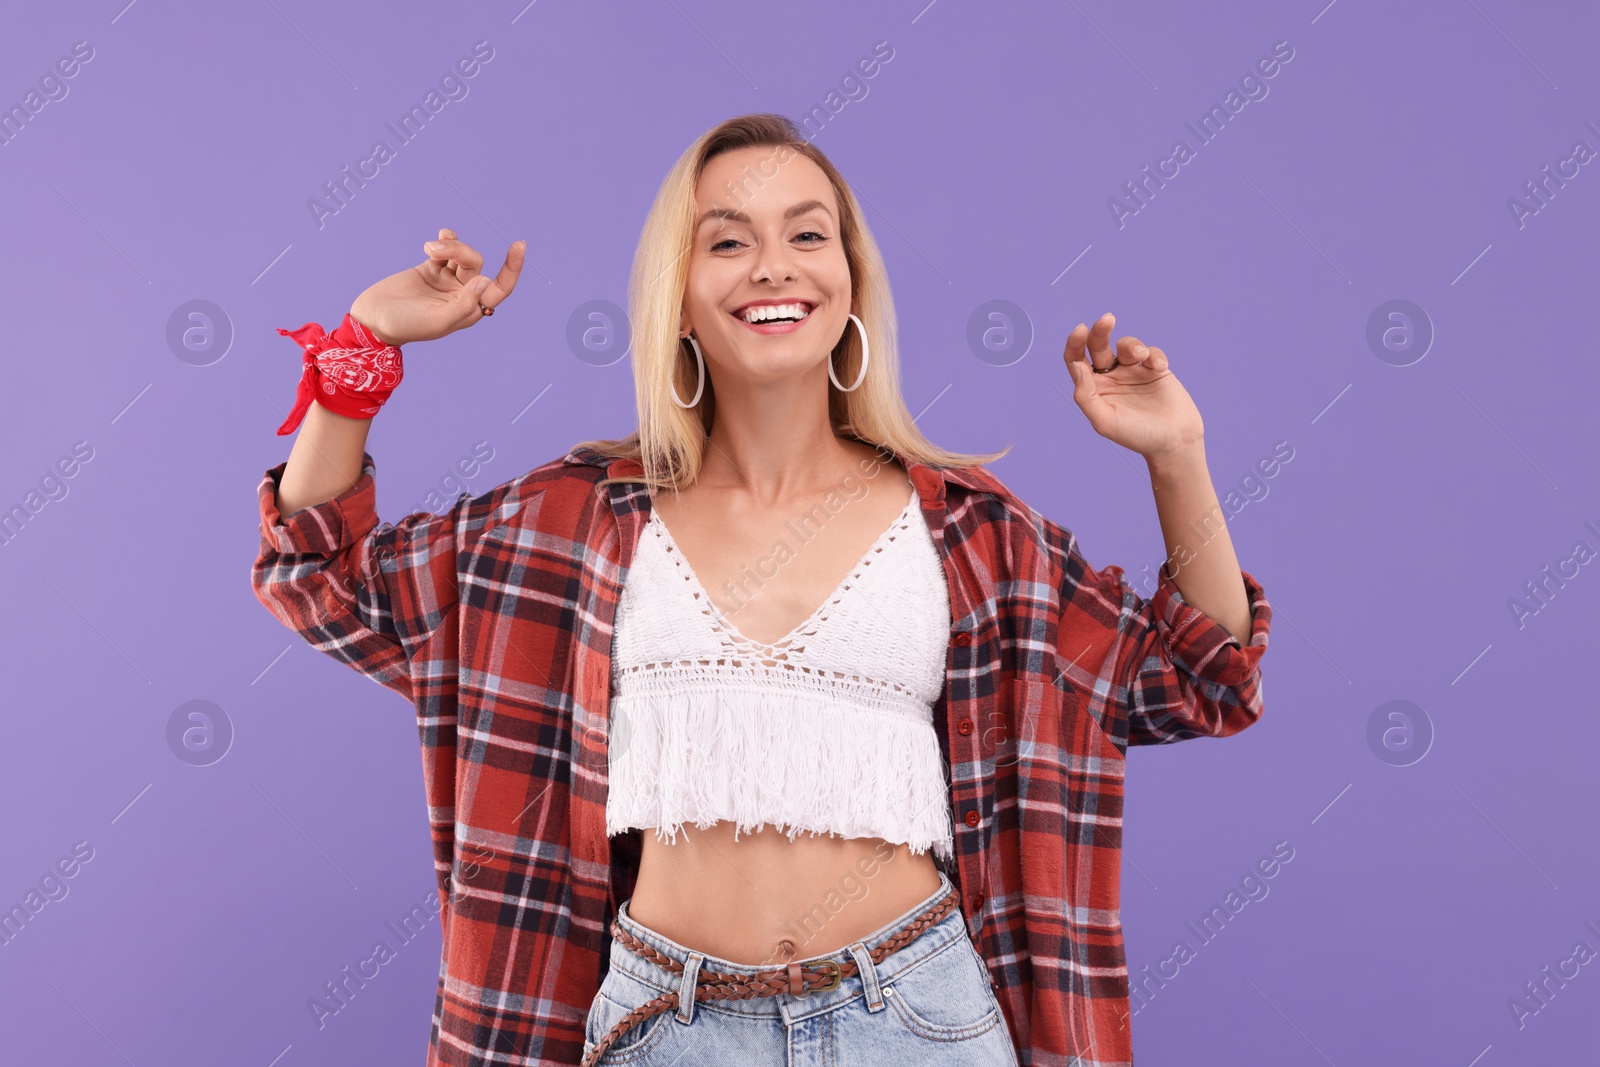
{"x":1141,"y":405}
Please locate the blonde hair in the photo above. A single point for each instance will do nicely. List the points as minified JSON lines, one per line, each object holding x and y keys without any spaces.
{"x":670,"y":440}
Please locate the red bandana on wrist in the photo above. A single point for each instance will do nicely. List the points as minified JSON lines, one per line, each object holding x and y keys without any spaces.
{"x":349,"y":372}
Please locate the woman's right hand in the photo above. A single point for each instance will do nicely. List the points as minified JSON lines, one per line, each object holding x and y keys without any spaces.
{"x":439,"y":295}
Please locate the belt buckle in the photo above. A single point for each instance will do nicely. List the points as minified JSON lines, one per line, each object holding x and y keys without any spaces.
{"x":833,"y":982}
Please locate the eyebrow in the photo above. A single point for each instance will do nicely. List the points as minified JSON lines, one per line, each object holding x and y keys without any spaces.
{"x":733,"y":215}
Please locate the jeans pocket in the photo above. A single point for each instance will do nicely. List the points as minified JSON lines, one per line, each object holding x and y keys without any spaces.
{"x":619,"y":995}
{"x":945,"y":997}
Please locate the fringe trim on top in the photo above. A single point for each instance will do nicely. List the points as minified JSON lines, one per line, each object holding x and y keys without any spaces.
{"x":756,"y":757}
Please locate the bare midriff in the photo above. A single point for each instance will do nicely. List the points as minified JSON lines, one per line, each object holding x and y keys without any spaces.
{"x":765,"y":900}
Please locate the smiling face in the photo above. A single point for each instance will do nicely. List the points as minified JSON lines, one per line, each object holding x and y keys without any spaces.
{"x":767,"y":243}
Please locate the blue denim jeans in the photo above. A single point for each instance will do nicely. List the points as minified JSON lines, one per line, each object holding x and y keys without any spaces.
{"x":927,"y":1003}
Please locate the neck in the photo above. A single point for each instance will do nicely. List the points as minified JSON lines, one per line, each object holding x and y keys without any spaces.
{"x":775,"y":442}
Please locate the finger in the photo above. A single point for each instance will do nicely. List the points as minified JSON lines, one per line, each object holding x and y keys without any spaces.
{"x":438,"y":257}
{"x":458,"y":256}
{"x":506,"y":279}
{"x":457,"y":311}
{"x":445,"y":234}
{"x":1131,"y":350}
{"x":1086,"y":394}
{"x":1156,"y":360}
{"x":1101,"y":354}
{"x":1077,"y":351}
{"x":439,"y":263}
{"x":1076,"y":342}
{"x":465,"y":302}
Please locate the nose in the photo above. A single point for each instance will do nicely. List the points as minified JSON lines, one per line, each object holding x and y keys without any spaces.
{"x":774,"y":261}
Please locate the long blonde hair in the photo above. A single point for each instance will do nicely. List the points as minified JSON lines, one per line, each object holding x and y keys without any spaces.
{"x":670,"y":441}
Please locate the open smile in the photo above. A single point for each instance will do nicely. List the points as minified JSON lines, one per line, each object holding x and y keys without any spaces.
{"x":774,"y":318}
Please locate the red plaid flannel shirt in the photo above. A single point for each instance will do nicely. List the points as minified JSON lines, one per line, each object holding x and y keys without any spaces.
{"x":495,"y":618}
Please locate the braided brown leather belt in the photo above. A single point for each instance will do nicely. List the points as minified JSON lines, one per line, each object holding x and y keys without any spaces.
{"x":794,"y":978}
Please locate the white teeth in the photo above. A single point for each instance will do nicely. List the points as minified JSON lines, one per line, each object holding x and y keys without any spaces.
{"x":763,"y":312}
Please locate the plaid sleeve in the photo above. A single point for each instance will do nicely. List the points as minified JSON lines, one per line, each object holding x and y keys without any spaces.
{"x":1176,"y":673}
{"x":367,"y":594}
{"x":1186,"y":675}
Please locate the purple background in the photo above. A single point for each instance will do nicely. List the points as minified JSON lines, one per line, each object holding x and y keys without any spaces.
{"x":1419,"y":500}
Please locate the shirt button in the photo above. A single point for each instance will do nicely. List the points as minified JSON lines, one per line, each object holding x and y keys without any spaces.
{"x":963,"y":639}
{"x":964,"y":726}
{"x":977,"y":901}
{"x":972,"y":817}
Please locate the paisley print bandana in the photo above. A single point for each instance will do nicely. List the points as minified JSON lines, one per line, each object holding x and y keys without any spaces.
{"x":349,"y":372}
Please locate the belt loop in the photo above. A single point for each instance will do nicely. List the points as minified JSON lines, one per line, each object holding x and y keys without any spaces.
{"x":691,"y":974}
{"x":869,"y":976}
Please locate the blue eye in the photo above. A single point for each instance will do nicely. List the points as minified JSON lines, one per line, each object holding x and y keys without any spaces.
{"x":809,"y":233}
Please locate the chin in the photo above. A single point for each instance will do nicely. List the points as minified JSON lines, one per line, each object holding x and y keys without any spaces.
{"x":784,"y":359}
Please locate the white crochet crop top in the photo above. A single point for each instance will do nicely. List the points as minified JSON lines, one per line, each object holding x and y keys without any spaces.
{"x":830,"y":730}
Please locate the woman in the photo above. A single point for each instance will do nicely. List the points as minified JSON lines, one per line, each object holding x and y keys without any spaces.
{"x":861,"y":806}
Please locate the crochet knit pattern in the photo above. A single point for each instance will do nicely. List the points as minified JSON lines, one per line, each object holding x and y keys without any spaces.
{"x":828,"y":730}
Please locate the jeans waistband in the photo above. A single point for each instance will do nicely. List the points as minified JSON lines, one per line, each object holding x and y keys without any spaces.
{"x":950,"y":928}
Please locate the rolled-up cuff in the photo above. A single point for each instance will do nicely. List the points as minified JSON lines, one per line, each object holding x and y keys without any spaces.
{"x":325,"y":528}
{"x":1204,"y":647}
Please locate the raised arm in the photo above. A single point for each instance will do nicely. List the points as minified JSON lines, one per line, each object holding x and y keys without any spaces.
{"x":444,"y":293}
{"x":1187,"y":659}
{"x":366,"y":593}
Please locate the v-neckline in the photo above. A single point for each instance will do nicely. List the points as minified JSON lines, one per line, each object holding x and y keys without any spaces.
{"x":681,"y":562}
